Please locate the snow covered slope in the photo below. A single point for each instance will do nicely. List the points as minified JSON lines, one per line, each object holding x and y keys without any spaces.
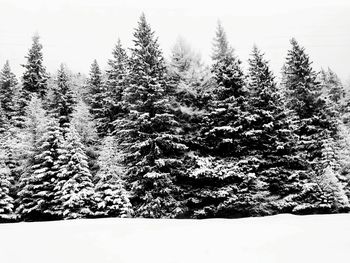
{"x":282,"y":238}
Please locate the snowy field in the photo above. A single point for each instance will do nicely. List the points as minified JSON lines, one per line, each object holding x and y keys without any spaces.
{"x":282,"y":238}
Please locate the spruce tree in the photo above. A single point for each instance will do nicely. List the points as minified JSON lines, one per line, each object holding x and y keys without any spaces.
{"x":4,"y":122}
{"x":304,"y":98}
{"x":221,"y":47}
{"x":150,"y":135}
{"x":270,"y":136}
{"x":73,"y":193}
{"x":8,"y":82}
{"x":6,"y":201}
{"x":332,"y":86}
{"x":34,"y":79}
{"x":227,"y":109}
{"x":62,"y":101}
{"x":270,"y":132}
{"x":115,"y":85}
{"x":316,"y":127}
{"x":221,"y":181}
{"x":96,"y":96}
{"x":112,"y":199}
{"x":36,"y":194}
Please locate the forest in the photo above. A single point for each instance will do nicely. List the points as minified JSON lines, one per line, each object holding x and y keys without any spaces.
{"x":157,"y":137}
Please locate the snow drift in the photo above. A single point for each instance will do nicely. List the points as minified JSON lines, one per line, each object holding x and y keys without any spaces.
{"x":282,"y":238}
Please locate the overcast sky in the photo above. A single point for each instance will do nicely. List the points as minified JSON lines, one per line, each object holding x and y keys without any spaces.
{"x":77,"y":31}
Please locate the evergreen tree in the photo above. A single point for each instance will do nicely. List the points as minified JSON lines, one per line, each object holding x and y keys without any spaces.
{"x":62,"y":100}
{"x":34,"y":80}
{"x":116,"y":77}
{"x":8,"y":82}
{"x":96,"y":96}
{"x":304,"y":98}
{"x":21,"y":144}
{"x":316,"y":127}
{"x":270,"y":136}
{"x":112,"y":199}
{"x":150,"y":134}
{"x":221,"y":180}
{"x":74,"y":188}
{"x":36,"y":194}
{"x":221,"y":47}
{"x":6,"y":201}
{"x":332,"y":86}
{"x":190,"y":78}
{"x":228,"y":116}
{"x":4,"y":123}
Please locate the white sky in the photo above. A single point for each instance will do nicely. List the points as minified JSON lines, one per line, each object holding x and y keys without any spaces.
{"x":77,"y":31}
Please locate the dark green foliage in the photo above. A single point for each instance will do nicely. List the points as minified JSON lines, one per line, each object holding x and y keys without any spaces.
{"x":6,"y":201}
{"x":74,"y":192}
{"x":114,"y":105}
{"x":8,"y":83}
{"x":316,"y":127}
{"x":227,"y":117}
{"x":4,"y":122}
{"x":269,"y":137}
{"x":173,"y":140}
{"x":150,"y":133}
{"x":62,"y":101}
{"x":222,"y":187}
{"x":36,"y":195}
{"x":332,"y":86}
{"x":96,"y":97}
{"x":304,"y":98}
{"x":34,"y":79}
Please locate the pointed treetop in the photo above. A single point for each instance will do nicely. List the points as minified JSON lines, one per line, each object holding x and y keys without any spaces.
{"x":34,"y":76}
{"x":261,"y":79}
{"x":95,"y":68}
{"x":6,"y":76}
{"x":146,"y":53}
{"x":95,"y":74}
{"x":221,"y":48}
{"x":143,"y":33}
{"x":119,"y":54}
{"x":7,"y":65}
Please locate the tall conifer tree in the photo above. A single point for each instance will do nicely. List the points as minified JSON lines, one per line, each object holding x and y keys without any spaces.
{"x":34,"y":79}
{"x":8,"y":83}
{"x":227,"y":116}
{"x":97,"y":95}
{"x":62,"y":101}
{"x":316,"y":128}
{"x":116,"y":77}
{"x":150,"y":133}
{"x":6,"y":201}
{"x":36,"y":194}
{"x":74,"y":192}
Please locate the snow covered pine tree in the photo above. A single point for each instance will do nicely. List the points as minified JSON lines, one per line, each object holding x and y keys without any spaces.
{"x":150,"y":133}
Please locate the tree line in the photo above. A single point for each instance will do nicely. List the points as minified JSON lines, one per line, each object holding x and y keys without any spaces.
{"x":173,"y":138}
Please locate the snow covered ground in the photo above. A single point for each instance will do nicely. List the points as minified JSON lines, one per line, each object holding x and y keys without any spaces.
{"x":282,"y":238}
